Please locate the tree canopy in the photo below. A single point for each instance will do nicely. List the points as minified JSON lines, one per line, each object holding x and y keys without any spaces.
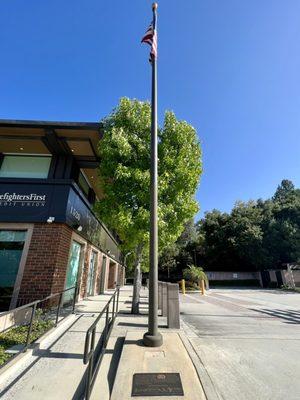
{"x":125,"y":175}
{"x":255,"y":235}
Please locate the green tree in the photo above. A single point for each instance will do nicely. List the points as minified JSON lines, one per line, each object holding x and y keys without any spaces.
{"x":247,"y":234}
{"x":178,"y":255}
{"x":284,"y":191}
{"x":282,"y":232}
{"x":218,"y":252}
{"x":194,"y":274}
{"x":189,"y":235}
{"x":168,"y":258}
{"x":125,"y":179}
{"x":255,"y":235}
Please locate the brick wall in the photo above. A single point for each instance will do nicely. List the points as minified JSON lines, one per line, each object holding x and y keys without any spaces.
{"x":98,"y":274}
{"x":85,"y":272}
{"x":112,"y":275}
{"x":47,"y":260}
{"x":106,"y":273}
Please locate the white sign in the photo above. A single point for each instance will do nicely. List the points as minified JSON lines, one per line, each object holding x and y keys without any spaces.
{"x":31,"y":199}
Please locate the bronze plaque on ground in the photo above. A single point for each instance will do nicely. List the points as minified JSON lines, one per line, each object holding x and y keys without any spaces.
{"x":162,"y":384}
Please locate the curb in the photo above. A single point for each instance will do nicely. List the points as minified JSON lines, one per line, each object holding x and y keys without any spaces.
{"x":193,"y":291}
{"x":204,"y":378}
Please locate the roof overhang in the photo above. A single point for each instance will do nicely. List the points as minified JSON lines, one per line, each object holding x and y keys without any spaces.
{"x":79,"y":139}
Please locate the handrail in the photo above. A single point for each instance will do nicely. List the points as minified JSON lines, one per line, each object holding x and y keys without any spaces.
{"x":89,"y":345}
{"x":36,"y":302}
{"x":34,"y":305}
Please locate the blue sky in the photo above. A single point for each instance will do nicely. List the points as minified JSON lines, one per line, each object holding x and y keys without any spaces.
{"x":230,"y":68}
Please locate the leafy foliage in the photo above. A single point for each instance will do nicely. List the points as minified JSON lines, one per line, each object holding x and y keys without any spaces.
{"x":18,"y":335}
{"x":194,"y":274}
{"x":125,"y":176}
{"x":167,"y":260}
{"x":255,"y":235}
{"x":180,"y":254}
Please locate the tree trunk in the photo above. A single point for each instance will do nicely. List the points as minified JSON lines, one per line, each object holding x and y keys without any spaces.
{"x":137,"y":284}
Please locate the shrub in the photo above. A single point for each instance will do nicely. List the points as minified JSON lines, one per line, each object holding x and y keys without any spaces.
{"x":18,"y":335}
{"x":194,"y":274}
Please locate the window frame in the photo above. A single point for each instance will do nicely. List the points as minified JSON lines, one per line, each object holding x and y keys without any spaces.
{"x":32,"y":155}
{"x":29,"y":230}
{"x":81,"y":172}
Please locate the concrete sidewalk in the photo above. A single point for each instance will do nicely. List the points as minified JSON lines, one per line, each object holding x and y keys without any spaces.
{"x":126,"y":355}
{"x":56,"y":370}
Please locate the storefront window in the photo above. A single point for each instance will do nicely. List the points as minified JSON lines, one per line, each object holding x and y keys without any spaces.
{"x":72,"y":271}
{"x":84,"y":186}
{"x":25,"y":167}
{"x":11,"y":247}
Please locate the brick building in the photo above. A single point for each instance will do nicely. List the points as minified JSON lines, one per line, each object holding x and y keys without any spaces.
{"x":50,"y":238}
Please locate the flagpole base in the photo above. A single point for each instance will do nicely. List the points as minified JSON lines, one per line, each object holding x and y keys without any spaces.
{"x":152,"y":340}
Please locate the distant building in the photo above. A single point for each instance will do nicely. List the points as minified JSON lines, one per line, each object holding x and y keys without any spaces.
{"x":288,"y":275}
{"x":50,"y":238}
{"x":233,"y":278}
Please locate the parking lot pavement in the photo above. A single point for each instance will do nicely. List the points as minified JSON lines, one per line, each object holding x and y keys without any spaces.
{"x":248,"y":341}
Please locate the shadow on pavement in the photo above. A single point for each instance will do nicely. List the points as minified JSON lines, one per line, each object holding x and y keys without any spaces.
{"x":133,"y":324}
{"x":288,"y":316}
{"x":37,"y":359}
{"x":116,"y":352}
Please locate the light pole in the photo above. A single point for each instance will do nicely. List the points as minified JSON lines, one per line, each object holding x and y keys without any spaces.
{"x":153,"y":338}
{"x":125,"y":265}
{"x":125,"y":258}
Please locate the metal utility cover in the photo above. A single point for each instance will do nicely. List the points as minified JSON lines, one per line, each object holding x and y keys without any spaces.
{"x":160,"y":384}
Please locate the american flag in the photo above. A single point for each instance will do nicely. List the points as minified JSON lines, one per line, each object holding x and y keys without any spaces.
{"x":151,"y":39}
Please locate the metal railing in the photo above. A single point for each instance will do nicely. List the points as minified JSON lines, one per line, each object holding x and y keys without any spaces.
{"x":93,"y":353}
{"x":44,"y":310}
{"x":5,"y":302}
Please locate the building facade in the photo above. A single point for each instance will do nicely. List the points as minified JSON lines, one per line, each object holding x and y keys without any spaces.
{"x":50,"y":239}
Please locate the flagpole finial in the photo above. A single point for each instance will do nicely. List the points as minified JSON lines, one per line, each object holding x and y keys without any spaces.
{"x":154,"y":6}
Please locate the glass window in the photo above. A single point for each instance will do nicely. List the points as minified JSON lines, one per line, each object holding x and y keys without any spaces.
{"x":25,"y":167}
{"x":84,"y":186}
{"x":11,"y":248}
{"x":12,"y":236}
{"x":72,"y":271}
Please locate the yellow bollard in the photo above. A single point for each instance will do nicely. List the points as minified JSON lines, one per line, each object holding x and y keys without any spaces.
{"x":202,"y":287}
{"x":183,"y":286}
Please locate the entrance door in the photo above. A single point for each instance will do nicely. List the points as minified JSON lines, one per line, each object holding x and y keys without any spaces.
{"x":91,"y":275}
{"x":11,"y":248}
{"x":72,"y":271}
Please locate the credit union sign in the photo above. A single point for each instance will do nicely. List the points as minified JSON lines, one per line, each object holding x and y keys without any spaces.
{"x":24,"y":200}
{"x":37,"y":202}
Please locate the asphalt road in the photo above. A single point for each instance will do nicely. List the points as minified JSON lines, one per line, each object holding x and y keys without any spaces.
{"x":247,"y":340}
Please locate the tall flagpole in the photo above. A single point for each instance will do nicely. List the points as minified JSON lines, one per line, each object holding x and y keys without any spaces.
{"x":153,"y":338}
